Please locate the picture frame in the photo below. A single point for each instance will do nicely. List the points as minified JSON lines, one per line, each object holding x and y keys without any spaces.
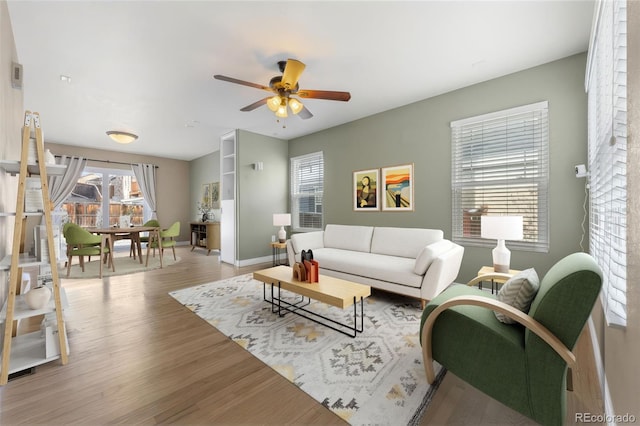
{"x":205,"y":198}
{"x":215,"y":195}
{"x":397,"y":189}
{"x":366,"y":190}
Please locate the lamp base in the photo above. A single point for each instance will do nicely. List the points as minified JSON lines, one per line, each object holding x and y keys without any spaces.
{"x":501,"y":258}
{"x":282,"y":235}
{"x":501,"y":268}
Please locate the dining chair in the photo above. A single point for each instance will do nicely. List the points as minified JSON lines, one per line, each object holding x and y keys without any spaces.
{"x":167,"y":239}
{"x":68,"y":226}
{"x":81,"y":242}
{"x":145,"y":238}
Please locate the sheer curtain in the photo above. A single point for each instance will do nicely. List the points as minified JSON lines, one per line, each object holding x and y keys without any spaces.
{"x":61,"y":186}
{"x":146,"y":177}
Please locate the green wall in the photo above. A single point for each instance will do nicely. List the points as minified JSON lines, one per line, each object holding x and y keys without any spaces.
{"x":260,"y":193}
{"x":420,"y":133}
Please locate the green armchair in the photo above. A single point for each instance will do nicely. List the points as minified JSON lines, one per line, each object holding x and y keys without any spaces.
{"x":522,"y":365}
{"x":167,"y":239}
{"x":81,"y":242}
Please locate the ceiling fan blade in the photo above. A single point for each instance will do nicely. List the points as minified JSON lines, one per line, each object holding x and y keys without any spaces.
{"x":242,"y":82}
{"x":330,"y":95}
{"x":255,"y":105}
{"x":292,"y":72}
{"x":305,"y":113}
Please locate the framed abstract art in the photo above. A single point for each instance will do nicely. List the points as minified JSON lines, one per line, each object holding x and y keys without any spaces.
{"x":396,"y":186}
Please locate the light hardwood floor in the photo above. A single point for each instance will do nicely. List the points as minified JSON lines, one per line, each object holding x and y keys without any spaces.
{"x":138,"y":356}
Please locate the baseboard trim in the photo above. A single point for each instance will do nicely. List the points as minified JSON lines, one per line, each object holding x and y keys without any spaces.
{"x":602,"y":377}
{"x":255,"y":261}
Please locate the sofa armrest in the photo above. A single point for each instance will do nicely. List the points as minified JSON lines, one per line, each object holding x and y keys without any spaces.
{"x":303,"y":241}
{"x":442,"y":272}
{"x":540,"y":330}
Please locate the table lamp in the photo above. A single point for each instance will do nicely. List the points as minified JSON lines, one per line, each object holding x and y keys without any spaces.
{"x":282,"y":220}
{"x":501,"y":228}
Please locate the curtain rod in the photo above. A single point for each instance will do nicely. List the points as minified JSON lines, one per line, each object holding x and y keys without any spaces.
{"x":110,"y":161}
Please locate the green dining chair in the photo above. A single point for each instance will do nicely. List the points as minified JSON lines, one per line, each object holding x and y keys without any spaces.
{"x":81,"y":242}
{"x":167,"y":239}
{"x":144,"y":238}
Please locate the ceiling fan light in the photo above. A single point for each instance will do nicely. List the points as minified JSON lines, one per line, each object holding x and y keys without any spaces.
{"x":122,"y":137}
{"x":274,"y":102}
{"x":282,"y":110}
{"x":295,"y":105}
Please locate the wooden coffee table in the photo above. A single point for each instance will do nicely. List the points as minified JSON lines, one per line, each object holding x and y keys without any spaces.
{"x":332,"y":291}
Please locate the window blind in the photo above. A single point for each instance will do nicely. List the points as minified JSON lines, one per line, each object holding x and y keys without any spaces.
{"x":501,"y":167}
{"x":307,"y":188}
{"x":607,"y":113}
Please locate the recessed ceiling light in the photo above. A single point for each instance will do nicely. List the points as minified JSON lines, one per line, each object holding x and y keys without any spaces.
{"x":65,"y":78}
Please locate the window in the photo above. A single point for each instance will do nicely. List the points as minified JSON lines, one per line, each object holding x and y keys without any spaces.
{"x":501,"y":167}
{"x":307,"y":187}
{"x":606,"y":83}
{"x":101,"y":196}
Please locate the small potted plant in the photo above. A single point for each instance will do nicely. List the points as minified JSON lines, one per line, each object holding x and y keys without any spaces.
{"x":204,"y":211}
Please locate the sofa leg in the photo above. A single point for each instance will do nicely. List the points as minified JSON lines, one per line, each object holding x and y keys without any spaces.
{"x":423,"y":304}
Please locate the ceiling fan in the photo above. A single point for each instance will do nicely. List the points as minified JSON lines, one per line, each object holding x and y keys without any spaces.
{"x":284,"y":87}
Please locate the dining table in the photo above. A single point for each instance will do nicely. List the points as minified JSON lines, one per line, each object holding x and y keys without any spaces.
{"x":111,"y":234}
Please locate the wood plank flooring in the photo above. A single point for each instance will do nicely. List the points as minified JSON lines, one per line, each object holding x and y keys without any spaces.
{"x":139,"y":357}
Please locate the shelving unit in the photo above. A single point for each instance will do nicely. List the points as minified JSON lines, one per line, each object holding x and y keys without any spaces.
{"x":228,"y":162}
{"x":22,"y":352}
{"x":205,"y":235}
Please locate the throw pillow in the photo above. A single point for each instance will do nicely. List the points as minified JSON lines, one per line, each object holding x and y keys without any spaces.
{"x":519,"y":292}
{"x":428,"y":254}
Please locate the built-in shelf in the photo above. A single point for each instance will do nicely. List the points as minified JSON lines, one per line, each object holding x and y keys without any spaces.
{"x":13,"y":167}
{"x":21,"y":310}
{"x":24,"y":260}
{"x":30,"y":350}
{"x":12,"y":214}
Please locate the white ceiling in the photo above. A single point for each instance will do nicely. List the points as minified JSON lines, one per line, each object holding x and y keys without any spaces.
{"x":147,"y":66}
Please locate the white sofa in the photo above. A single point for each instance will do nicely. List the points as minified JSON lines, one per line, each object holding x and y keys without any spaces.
{"x":410,"y":261}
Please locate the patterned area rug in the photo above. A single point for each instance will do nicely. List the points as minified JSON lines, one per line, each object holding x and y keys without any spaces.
{"x":376,"y":378}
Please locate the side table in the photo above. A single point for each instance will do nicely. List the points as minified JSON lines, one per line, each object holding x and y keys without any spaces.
{"x":487,"y":270}
{"x":275,"y":251}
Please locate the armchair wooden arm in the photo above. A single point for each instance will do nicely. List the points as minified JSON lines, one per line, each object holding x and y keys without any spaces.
{"x":513,"y":313}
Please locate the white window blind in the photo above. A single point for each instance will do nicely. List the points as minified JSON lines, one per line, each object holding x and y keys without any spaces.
{"x":501,"y":167}
{"x":307,"y":187}
{"x":607,"y":104}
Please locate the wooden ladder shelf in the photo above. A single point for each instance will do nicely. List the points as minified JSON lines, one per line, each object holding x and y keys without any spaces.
{"x":27,"y":352}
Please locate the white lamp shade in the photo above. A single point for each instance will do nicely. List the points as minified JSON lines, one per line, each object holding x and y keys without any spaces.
{"x":501,"y":227}
{"x":281,"y":219}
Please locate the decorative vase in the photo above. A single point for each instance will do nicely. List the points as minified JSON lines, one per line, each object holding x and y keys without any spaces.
{"x":37,"y":297}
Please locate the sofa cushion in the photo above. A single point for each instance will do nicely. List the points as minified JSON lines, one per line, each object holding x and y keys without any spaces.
{"x":348,"y":237}
{"x":403,"y":242}
{"x":519,"y":291}
{"x":393,"y":269}
{"x":428,"y":254}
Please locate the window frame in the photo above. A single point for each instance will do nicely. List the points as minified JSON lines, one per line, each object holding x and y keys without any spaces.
{"x":481,"y":173}
{"x":314,"y":179}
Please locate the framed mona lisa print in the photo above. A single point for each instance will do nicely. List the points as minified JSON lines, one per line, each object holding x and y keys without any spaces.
{"x":365,"y":190}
